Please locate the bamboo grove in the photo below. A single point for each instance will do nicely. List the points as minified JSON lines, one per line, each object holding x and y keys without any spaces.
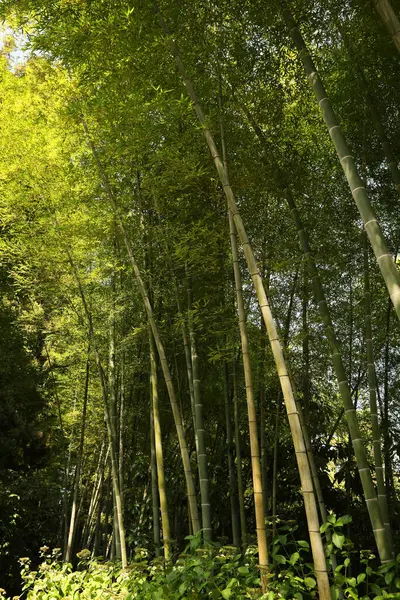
{"x":199,"y":274}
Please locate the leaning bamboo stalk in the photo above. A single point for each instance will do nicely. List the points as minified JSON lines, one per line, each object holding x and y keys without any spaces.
{"x":191,"y":493}
{"x":251,"y":409}
{"x":341,"y":376}
{"x":389,"y":19}
{"x":376,"y":434}
{"x":384,"y":258}
{"x":350,"y":412}
{"x":305,"y":475}
{"x":258,"y":492}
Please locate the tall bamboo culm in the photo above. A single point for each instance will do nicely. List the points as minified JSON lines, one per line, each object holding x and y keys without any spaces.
{"x":251,"y":409}
{"x":301,"y":455}
{"x":233,"y":496}
{"x":390,"y":20}
{"x":154,"y":485}
{"x":238,"y":447}
{"x":72,"y":523}
{"x":159,"y":454}
{"x":199,"y":424}
{"x":258,"y":493}
{"x":376,"y":434}
{"x":384,"y":258}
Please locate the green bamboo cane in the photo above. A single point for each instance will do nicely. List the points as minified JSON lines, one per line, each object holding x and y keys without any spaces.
{"x":251,"y":409}
{"x":376,"y":434}
{"x":390,"y":20}
{"x":159,"y":453}
{"x":384,"y":259}
{"x":341,"y":376}
{"x":233,"y":488}
{"x":199,"y":425}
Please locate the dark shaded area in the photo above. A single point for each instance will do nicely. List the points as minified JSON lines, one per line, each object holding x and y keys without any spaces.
{"x":28,"y":499}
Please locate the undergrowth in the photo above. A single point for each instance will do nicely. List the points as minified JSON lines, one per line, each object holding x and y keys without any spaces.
{"x":217,"y":572}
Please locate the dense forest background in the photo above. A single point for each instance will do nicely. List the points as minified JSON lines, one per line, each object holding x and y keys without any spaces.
{"x":136,"y":408}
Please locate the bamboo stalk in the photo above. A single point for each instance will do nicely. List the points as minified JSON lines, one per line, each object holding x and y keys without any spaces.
{"x":376,"y":434}
{"x":72,"y":523}
{"x":159,"y":454}
{"x":384,"y":258}
{"x":231,"y":470}
{"x":390,"y":20}
{"x":199,"y":424}
{"x":341,"y":376}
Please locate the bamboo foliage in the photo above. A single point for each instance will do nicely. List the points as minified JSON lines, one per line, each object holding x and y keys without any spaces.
{"x":376,"y":117}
